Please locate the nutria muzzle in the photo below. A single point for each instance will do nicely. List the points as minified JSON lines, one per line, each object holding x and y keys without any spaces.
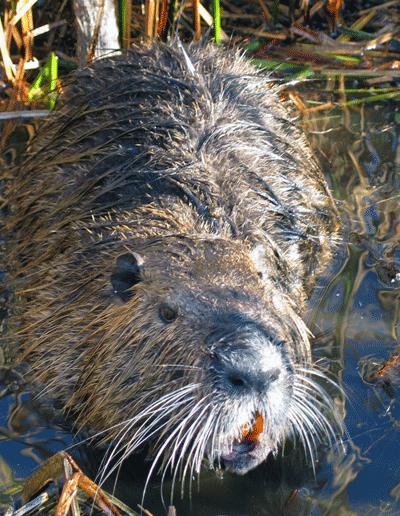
{"x":252,"y":369}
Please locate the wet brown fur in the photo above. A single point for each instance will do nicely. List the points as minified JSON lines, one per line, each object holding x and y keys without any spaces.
{"x":196,"y":169}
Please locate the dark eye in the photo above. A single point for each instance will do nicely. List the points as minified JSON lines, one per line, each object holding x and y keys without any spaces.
{"x":168,"y":313}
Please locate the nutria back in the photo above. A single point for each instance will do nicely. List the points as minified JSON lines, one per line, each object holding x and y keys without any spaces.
{"x":167,"y":224}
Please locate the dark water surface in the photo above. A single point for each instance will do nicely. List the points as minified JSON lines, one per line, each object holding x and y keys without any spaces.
{"x":354,"y":315}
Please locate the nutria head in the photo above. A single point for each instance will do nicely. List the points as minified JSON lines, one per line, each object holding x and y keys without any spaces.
{"x":194,"y":351}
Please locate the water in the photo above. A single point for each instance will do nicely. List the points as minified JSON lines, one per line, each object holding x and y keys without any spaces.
{"x":354,"y":315}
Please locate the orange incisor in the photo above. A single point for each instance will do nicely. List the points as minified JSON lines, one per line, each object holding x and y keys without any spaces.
{"x":253,"y":433}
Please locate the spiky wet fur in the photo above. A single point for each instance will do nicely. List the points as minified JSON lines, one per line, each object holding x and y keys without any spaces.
{"x":196,"y":167}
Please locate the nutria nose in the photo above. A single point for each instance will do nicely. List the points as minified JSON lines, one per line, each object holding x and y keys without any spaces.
{"x":258,"y":381}
{"x":244,"y":371}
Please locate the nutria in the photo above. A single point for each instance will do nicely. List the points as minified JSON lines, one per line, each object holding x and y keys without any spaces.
{"x":167,"y":224}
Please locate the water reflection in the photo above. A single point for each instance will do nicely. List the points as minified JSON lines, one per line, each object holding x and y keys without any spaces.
{"x":358,"y":310}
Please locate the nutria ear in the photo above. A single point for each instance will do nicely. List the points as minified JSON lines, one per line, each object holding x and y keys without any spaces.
{"x":128,"y":271}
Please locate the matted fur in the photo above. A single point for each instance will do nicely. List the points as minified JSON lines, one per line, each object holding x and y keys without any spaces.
{"x":166,"y":226}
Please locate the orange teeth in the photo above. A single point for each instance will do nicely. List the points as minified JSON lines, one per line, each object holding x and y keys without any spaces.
{"x":252,"y":434}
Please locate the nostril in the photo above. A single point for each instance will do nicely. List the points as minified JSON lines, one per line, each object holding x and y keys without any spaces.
{"x":236,"y":380}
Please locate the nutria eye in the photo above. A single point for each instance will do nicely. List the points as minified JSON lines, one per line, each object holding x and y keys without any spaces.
{"x":168,"y":314}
